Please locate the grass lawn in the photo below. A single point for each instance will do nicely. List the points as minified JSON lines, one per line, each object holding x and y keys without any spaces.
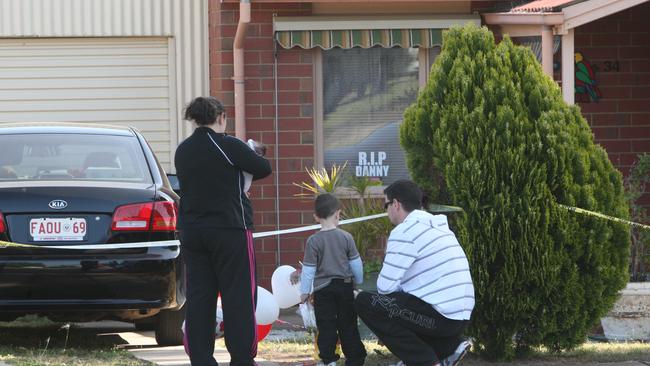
{"x":301,"y":351}
{"x":38,"y":341}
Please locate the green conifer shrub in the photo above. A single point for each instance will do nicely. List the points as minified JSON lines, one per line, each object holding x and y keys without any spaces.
{"x":490,"y":133}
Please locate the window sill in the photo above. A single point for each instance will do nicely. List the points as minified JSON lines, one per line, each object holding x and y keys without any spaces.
{"x":349,"y":193}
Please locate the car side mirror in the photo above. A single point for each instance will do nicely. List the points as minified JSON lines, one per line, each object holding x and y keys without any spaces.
{"x":173,"y":180}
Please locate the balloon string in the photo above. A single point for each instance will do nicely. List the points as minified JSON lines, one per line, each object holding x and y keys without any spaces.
{"x":296,"y":326}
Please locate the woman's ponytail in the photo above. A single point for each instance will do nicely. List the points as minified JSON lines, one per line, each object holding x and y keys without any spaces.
{"x":204,"y":110}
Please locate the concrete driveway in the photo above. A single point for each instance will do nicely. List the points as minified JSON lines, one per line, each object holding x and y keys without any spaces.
{"x":143,"y":346}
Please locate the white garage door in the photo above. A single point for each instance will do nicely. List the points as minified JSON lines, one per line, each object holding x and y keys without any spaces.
{"x":122,"y":81}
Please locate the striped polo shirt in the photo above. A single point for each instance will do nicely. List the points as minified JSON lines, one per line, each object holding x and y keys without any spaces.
{"x":424,"y":259}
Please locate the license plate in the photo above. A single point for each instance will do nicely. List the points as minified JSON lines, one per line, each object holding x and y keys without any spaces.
{"x":59,"y":229}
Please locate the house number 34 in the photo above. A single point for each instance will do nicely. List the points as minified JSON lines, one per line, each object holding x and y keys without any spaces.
{"x":608,"y":66}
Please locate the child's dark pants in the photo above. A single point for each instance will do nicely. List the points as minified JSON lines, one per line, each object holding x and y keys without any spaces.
{"x":337,"y":319}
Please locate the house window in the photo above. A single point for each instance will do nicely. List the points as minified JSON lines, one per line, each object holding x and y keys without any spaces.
{"x":364,"y":95}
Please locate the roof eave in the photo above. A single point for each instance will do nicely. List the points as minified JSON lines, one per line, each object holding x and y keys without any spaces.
{"x":330,"y":1}
{"x":550,"y":19}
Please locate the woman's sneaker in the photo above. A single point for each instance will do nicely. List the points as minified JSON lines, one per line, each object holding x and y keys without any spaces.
{"x":458,"y":355}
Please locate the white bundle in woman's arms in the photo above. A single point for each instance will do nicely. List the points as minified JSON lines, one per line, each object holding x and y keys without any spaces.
{"x":260,"y":149}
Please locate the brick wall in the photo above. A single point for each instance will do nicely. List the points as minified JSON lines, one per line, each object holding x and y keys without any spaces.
{"x":295,"y":122}
{"x":619,"y":46}
{"x":483,"y":6}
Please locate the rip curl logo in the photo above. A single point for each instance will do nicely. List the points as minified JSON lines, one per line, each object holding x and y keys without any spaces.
{"x":394,"y":311}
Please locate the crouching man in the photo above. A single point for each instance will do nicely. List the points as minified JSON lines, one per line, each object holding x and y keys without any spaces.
{"x":425,"y":292}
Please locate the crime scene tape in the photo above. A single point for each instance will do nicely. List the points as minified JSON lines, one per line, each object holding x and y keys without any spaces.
{"x":176,"y":243}
{"x":603,"y":216}
{"x":144,"y":244}
{"x":315,"y":227}
{"x":168,"y":243}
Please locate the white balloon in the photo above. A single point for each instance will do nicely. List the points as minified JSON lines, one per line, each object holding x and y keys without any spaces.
{"x":286,"y":294}
{"x":218,"y":327}
{"x":267,"y":310}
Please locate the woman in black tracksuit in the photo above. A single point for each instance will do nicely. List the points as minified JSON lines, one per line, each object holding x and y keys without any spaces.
{"x":216,"y":222}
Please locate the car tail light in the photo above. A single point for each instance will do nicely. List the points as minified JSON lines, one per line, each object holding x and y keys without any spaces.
{"x":135,"y":217}
{"x":157,"y":216}
{"x":164,"y":216}
{"x":3,"y":227}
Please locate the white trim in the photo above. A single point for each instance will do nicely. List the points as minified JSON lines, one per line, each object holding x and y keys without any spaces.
{"x":175,"y":128}
{"x":569,"y":18}
{"x":591,"y":10}
{"x":547,"y":50}
{"x":524,"y":19}
{"x":423,"y":72}
{"x":319,"y":152}
{"x":521,"y":30}
{"x":568,"y":67}
{"x":372,"y":22}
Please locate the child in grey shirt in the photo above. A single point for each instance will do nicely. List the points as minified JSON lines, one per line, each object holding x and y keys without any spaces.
{"x":332,"y":263}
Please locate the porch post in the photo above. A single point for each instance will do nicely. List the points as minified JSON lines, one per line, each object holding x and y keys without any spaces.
{"x":547,"y":50}
{"x":568,"y":67}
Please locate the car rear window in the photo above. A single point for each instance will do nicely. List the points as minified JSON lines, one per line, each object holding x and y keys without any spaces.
{"x":72,"y":157}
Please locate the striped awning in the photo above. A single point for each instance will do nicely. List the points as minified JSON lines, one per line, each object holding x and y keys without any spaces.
{"x":364,"y":38}
{"x":404,"y":31}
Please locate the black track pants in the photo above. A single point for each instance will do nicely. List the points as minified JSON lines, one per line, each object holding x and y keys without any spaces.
{"x":220,"y":261}
{"x":411,"y":328}
{"x":336,"y":319}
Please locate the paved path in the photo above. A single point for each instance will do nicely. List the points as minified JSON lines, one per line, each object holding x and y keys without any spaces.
{"x":473,"y":362}
{"x":143,"y":346}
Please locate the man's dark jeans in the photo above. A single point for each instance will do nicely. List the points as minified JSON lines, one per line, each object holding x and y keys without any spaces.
{"x":411,"y":328}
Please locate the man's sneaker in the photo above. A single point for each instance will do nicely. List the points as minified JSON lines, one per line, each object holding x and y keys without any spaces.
{"x":328,"y":364}
{"x":458,"y":355}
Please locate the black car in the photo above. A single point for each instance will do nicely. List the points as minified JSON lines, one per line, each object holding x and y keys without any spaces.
{"x":99,"y":216}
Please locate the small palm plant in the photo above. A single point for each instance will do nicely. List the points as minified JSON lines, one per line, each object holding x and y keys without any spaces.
{"x":322,"y":180}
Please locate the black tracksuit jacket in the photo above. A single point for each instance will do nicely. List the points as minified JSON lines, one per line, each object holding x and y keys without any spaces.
{"x":215,"y":223}
{"x":210,"y":169}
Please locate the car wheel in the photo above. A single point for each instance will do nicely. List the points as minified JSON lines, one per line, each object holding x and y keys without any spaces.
{"x":145,"y":324}
{"x":9,"y":317}
{"x":168,"y":327}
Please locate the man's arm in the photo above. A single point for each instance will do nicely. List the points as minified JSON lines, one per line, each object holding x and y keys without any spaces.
{"x":400,"y":255}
